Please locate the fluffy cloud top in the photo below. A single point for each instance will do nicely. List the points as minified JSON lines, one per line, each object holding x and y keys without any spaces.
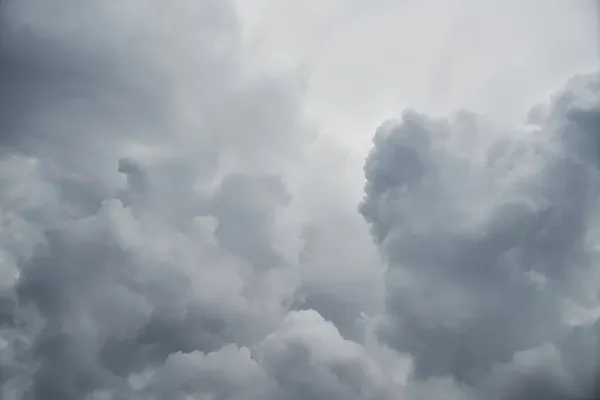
{"x":491,"y":238}
{"x":172,"y":227}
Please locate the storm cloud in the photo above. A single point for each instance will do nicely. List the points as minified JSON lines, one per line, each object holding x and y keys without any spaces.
{"x":490,"y":236}
{"x":173,"y":226}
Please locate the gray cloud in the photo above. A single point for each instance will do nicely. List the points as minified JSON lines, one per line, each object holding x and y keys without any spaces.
{"x":149,"y":244}
{"x":172,"y":227}
{"x":490,"y":238}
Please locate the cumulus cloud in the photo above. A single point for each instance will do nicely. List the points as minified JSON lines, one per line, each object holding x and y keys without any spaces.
{"x":491,"y":239}
{"x":150,"y":237}
{"x":173,"y":227}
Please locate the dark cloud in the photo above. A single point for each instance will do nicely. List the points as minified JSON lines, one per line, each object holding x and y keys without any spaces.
{"x":491,"y":243}
{"x":170,"y":228}
{"x":149,"y":244}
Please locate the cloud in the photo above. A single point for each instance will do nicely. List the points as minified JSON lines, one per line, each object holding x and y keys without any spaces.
{"x":152,"y":228}
{"x":490,"y":238}
{"x":173,"y":226}
{"x":369,"y":60}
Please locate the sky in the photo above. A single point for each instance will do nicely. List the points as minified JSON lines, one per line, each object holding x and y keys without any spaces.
{"x":234,"y":200}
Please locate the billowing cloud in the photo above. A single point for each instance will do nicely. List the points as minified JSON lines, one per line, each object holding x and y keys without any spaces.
{"x":151,"y":238}
{"x":172,"y":227}
{"x":491,"y":240}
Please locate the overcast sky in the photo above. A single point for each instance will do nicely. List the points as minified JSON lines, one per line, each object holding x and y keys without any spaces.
{"x":272,"y":199}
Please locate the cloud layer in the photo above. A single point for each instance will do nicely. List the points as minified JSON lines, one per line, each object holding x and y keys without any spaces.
{"x":173,"y":227}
